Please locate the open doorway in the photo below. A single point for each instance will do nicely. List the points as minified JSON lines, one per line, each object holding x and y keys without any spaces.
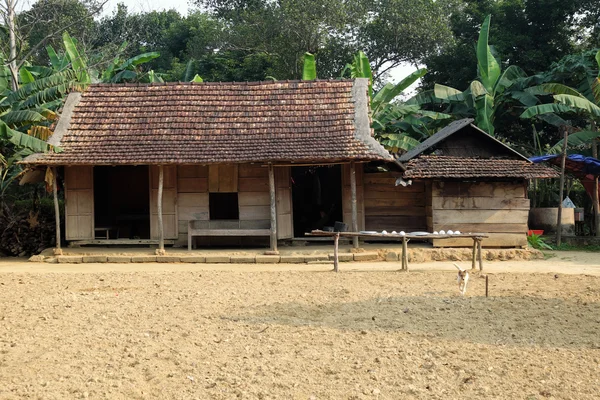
{"x":122,"y":202}
{"x":316,"y":197}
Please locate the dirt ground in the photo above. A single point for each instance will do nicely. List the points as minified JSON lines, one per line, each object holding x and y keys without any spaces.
{"x":110,"y":331}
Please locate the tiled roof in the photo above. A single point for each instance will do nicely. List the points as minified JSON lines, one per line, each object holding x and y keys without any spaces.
{"x":459,"y":167}
{"x":184,"y":123}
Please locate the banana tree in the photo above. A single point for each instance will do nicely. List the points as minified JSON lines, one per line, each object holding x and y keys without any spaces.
{"x":484,"y":96}
{"x":569,"y":100}
{"x":399,"y":126}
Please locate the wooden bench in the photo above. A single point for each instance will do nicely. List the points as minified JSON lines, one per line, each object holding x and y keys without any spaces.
{"x":222,"y":232}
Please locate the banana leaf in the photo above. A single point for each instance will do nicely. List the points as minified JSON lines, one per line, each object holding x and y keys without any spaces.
{"x":545,"y":109}
{"x":553,"y":88}
{"x":390,"y":91}
{"x":448,"y":93}
{"x":77,"y":61}
{"x":309,"y":68}
{"x":527,"y":99}
{"x":508,"y":78}
{"x":484,"y":106}
{"x":139,"y":59}
{"x":580,"y":138}
{"x":489,"y":69}
{"x":395,"y":142}
{"x":188,"y":74}
{"x":580,"y":103}
{"x":123,"y":76}
{"x":25,"y":76}
{"x":197,"y":79}
{"x":425,"y":97}
{"x":23,"y":140}
{"x":22,"y":117}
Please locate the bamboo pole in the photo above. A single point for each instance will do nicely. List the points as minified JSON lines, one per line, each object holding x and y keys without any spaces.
{"x":161,"y":232}
{"x":479,"y":254}
{"x":354,"y":205}
{"x":273,"y":202}
{"x":57,"y":250}
{"x":595,"y":188}
{"x":562,"y":188}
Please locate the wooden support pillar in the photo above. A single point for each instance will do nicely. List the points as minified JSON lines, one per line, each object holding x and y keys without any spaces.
{"x":474,"y":261}
{"x":354,"y":205}
{"x":57,"y":250}
{"x":479,"y":253}
{"x":336,"y":261}
{"x":273,"y":209}
{"x":405,"y":254}
{"x":562,"y":188}
{"x":595,"y":194}
{"x":161,"y":231}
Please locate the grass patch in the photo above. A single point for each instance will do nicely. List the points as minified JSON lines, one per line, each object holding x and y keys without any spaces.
{"x":592,"y":248}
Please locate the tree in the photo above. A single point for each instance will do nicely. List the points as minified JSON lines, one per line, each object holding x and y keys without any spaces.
{"x":531,"y":34}
{"x":394,"y":31}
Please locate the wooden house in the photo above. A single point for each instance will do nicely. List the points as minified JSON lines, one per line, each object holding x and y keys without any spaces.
{"x":471,"y":182}
{"x":154,"y":162}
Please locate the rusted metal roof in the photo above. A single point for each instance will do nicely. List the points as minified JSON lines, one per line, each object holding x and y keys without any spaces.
{"x":185,"y":123}
{"x":459,"y":167}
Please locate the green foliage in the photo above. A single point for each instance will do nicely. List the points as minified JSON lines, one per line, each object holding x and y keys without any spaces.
{"x":309,"y":67}
{"x":537,"y":242}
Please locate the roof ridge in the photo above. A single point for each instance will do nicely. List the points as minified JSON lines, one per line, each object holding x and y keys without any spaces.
{"x":247,"y":83}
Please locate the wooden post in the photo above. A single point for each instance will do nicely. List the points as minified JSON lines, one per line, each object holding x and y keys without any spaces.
{"x":561,"y":189}
{"x":595,"y":188}
{"x":336,"y":240}
{"x":57,"y":250}
{"x":486,"y":286}
{"x":273,"y":209}
{"x":354,"y":205}
{"x":161,"y":232}
{"x":405,"y":254}
{"x":474,"y":261}
{"x":479,"y":251}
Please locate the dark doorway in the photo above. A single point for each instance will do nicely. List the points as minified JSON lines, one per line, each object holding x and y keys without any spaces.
{"x":316,"y":197}
{"x":122,"y":202}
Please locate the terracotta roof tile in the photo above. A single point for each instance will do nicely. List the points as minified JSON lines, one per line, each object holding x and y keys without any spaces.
{"x":183,"y":123}
{"x":459,"y":167}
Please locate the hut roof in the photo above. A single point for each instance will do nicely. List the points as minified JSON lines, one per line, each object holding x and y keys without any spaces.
{"x":463,"y":127}
{"x":460,"y":167}
{"x":185,"y":123}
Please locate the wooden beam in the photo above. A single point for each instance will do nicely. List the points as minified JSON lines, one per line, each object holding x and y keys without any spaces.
{"x":354,"y":205}
{"x":161,"y":231}
{"x":561,"y":189}
{"x":273,"y":202}
{"x":57,"y":250}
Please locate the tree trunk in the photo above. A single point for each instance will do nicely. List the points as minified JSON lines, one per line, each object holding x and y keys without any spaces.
{"x":12,"y":44}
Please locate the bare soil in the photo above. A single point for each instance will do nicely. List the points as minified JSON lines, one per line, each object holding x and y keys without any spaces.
{"x":299,"y":332}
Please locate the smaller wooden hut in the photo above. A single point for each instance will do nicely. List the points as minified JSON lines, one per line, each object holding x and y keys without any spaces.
{"x":473,"y":183}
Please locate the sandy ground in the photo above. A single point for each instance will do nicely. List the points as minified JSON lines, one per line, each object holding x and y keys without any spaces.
{"x":185,"y":331}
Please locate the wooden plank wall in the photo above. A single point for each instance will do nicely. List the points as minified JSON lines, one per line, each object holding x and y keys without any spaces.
{"x":79,"y":203}
{"x":249,"y":180}
{"x":498,"y":208}
{"x":390,"y":207}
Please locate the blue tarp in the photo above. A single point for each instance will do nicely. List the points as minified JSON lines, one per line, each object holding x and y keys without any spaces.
{"x":583,"y":164}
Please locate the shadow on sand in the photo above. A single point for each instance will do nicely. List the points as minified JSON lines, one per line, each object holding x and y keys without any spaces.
{"x":513,"y":321}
